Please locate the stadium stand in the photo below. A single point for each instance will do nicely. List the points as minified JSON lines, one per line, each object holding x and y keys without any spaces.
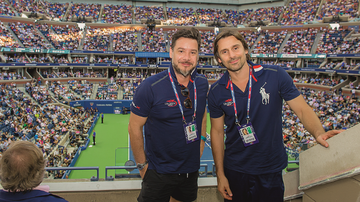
{"x":181,"y":16}
{"x":300,"y":12}
{"x":117,"y":14}
{"x":25,"y":114}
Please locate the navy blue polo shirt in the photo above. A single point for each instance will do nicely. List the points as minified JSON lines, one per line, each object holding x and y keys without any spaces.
{"x":270,"y":86}
{"x":165,"y":142}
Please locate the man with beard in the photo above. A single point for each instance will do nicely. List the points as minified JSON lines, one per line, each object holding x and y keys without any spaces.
{"x":172,"y":107}
{"x":249,"y":97}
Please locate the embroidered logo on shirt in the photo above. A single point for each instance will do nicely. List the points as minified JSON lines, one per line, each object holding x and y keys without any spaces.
{"x":137,"y":107}
{"x":171,"y":103}
{"x":265,"y":96}
{"x":228,"y":102}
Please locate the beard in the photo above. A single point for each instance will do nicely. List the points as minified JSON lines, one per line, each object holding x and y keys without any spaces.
{"x":237,"y":67}
{"x":184,"y":73}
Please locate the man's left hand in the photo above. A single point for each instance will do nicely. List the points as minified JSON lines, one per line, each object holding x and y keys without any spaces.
{"x":321,"y":139}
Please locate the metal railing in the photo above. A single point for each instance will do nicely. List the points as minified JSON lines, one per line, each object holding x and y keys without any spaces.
{"x":93,"y":178}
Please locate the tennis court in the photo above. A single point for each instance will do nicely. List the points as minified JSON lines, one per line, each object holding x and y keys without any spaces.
{"x":113,"y":148}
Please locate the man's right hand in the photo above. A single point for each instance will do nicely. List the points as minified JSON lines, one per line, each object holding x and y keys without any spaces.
{"x":143,"y":171}
{"x":224,"y":188}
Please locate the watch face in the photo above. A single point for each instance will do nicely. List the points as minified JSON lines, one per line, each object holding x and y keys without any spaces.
{"x":140,"y":167}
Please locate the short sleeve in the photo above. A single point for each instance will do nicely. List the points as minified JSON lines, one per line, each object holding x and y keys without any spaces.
{"x":143,"y":99}
{"x":288,"y":90}
{"x":215,"y":110}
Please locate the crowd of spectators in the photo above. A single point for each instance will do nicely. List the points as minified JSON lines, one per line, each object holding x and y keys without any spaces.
{"x":331,"y":65}
{"x":28,"y":36}
{"x":62,"y":37}
{"x":300,"y":12}
{"x":331,"y":40}
{"x":149,"y":12}
{"x":107,"y":91}
{"x":62,"y":93}
{"x":129,"y":87}
{"x":336,"y":111}
{"x":6,"y":38}
{"x":39,"y":58}
{"x":348,"y":46}
{"x":324,"y":81}
{"x":9,"y":75}
{"x":209,"y":14}
{"x":16,"y":58}
{"x":97,"y":39}
{"x":332,"y":8}
{"x":111,"y":60}
{"x":181,"y":16}
{"x":5,"y":9}
{"x":54,"y":10}
{"x":45,"y":125}
{"x":48,"y":74}
{"x":92,"y":74}
{"x":300,"y":42}
{"x":235,"y":17}
{"x":214,"y":75}
{"x":251,"y":37}
{"x":26,"y":6}
{"x":267,"y":62}
{"x":128,"y":74}
{"x":84,"y":10}
{"x":207,"y":41}
{"x":271,"y":14}
{"x":82,"y":88}
{"x":125,"y":40}
{"x":351,"y":66}
{"x":153,"y":41}
{"x":39,"y":93}
{"x":79,"y":59}
{"x":117,"y":14}
{"x":203,"y":61}
{"x":59,"y":59}
{"x":270,"y":43}
{"x":288,"y":64}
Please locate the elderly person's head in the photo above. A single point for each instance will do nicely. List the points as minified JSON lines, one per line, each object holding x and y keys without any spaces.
{"x":22,"y":167}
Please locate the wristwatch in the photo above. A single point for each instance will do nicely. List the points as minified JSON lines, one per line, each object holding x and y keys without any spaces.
{"x":141,"y":166}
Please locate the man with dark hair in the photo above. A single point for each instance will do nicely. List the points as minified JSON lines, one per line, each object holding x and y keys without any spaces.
{"x":172,"y":107}
{"x":22,"y":169}
{"x":249,"y":98}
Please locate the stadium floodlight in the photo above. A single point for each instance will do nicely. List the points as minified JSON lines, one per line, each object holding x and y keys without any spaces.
{"x":81,"y":25}
{"x":334,"y":26}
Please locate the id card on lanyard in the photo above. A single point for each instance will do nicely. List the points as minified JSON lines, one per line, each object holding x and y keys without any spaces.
{"x":190,"y":129}
{"x":246,"y":131}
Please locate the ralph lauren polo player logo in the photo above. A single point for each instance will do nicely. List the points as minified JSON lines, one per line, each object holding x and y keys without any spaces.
{"x":265,"y":96}
{"x":171,"y":103}
{"x":228,"y":103}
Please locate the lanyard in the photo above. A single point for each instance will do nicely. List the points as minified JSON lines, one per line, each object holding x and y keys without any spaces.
{"x":178,"y":100}
{"x":248,"y":102}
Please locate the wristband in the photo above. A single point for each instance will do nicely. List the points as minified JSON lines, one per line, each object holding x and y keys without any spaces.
{"x":203,"y":138}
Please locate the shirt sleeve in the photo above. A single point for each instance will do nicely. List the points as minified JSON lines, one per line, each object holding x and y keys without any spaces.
{"x":215,"y":110}
{"x":143,"y":99}
{"x":288,"y":90}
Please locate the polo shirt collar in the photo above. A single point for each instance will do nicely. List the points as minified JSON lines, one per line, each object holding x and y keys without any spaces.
{"x":257,"y":71}
{"x":192,"y":76}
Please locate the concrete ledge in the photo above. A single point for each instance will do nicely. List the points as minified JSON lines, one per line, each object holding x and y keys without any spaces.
{"x":320,"y":165}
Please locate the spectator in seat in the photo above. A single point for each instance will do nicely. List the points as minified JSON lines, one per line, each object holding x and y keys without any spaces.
{"x":22,"y":169}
